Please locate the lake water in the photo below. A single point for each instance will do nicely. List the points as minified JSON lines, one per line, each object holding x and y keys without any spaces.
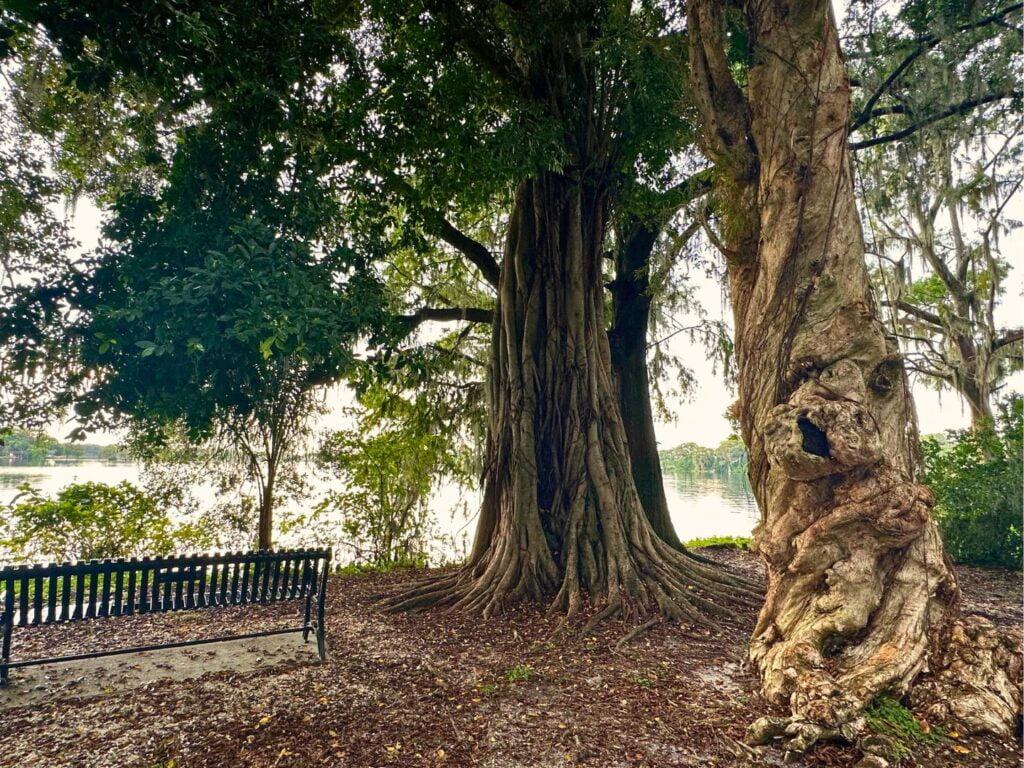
{"x":700,"y":505}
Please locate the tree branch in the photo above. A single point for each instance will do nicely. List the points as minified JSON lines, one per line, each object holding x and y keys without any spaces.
{"x":950,"y":111}
{"x":717,"y":96}
{"x":477,"y":253}
{"x":920,"y":314}
{"x":686,"y":191}
{"x":1010,"y":337}
{"x":923,"y":46}
{"x":447,"y":315}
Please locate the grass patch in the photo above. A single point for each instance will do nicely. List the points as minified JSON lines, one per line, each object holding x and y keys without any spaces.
{"x":354,"y":569}
{"x":645,"y":679}
{"x":520,"y":673}
{"x":736,"y":542}
{"x":888,"y":717}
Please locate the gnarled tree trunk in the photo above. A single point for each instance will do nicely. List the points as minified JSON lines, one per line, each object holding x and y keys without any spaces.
{"x":861,"y":598}
{"x":561,"y":518}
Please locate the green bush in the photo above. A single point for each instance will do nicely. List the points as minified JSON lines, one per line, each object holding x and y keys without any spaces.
{"x":733,"y":542}
{"x":386,"y":479}
{"x":92,"y":520}
{"x":976,"y":476}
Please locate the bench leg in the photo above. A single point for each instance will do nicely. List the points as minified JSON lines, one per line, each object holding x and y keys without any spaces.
{"x":5,"y":651}
{"x":305,"y":623}
{"x":321,"y":641}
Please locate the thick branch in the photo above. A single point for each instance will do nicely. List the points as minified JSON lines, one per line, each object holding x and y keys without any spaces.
{"x":1011,"y":337}
{"x":473,"y":250}
{"x":448,"y":315}
{"x":477,"y":253}
{"x":718,"y":97}
{"x":686,"y":191}
{"x":920,"y":314}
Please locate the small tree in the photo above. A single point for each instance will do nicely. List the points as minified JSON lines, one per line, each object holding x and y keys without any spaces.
{"x":232,"y":351}
{"x":387,"y":476}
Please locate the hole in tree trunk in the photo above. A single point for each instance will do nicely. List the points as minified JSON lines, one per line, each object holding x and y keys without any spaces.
{"x":815,"y":440}
{"x":832,"y":646}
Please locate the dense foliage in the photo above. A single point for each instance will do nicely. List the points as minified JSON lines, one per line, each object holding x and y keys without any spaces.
{"x":728,"y":457}
{"x":93,"y":520}
{"x":976,"y":476}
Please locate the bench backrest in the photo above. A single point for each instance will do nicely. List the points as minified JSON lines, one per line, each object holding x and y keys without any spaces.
{"x":43,"y":594}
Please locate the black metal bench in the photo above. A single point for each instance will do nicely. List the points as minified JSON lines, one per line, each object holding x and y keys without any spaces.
{"x":32,"y":595}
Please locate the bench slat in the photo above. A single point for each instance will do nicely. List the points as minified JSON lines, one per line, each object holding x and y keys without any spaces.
{"x":51,"y":595}
{"x":133,"y":569}
{"x":37,"y":595}
{"x":65,"y":596}
{"x":104,"y":606}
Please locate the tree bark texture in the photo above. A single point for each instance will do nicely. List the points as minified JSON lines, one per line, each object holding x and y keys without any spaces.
{"x":631,"y":313}
{"x":861,"y":598}
{"x":561,"y":517}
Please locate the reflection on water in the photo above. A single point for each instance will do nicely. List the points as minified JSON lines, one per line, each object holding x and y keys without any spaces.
{"x":702,"y":505}
{"x":711,"y":505}
{"x":49,"y":480}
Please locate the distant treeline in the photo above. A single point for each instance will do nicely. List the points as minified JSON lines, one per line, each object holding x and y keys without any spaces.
{"x":36,"y":449}
{"x":689,"y":458}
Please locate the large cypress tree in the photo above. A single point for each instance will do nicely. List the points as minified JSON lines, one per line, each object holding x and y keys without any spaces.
{"x":861,"y":597}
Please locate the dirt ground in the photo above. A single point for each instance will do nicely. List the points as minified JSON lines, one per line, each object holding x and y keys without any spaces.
{"x":429,"y":689}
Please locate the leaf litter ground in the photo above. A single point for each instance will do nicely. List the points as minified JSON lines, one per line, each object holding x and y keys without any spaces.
{"x":430,"y":689}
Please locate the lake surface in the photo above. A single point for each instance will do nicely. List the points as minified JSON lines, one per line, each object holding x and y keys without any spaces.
{"x":700,"y":505}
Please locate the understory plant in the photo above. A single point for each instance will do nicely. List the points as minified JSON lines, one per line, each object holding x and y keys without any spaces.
{"x":976,"y":477}
{"x":86,"y":521}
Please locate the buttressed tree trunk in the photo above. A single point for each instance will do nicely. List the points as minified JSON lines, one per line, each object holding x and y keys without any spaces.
{"x":561,"y":518}
{"x":861,"y":597}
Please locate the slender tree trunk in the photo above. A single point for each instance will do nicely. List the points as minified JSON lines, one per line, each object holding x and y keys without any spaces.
{"x":861,"y":598}
{"x":631,"y":313}
{"x":266,"y":519}
{"x":562,"y":519}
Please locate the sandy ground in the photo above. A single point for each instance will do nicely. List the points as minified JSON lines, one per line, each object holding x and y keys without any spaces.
{"x":61,"y":683}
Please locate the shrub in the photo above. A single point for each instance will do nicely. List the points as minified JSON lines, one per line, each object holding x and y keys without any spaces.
{"x":976,"y":475}
{"x":92,"y":521}
{"x":520,"y":673}
{"x":732,"y":542}
{"x":387,"y":478}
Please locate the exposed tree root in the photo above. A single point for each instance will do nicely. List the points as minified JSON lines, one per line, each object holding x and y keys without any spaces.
{"x":975,"y":682}
{"x":675,"y":588}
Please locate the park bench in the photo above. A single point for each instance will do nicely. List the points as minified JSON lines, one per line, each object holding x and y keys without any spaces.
{"x":32,"y":595}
